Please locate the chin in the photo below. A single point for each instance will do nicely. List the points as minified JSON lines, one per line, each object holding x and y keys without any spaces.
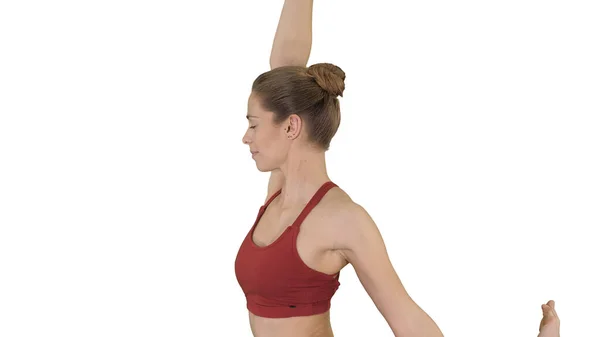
{"x":263,"y":168}
{"x":260,"y":168}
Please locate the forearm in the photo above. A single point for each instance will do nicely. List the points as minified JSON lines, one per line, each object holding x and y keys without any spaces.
{"x":293,"y":38}
{"x":414,"y":322}
{"x":421,"y":326}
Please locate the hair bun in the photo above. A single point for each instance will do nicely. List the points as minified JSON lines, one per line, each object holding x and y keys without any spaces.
{"x":329,"y":77}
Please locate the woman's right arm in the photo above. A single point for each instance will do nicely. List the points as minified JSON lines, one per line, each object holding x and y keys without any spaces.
{"x":293,"y":38}
{"x":291,"y":47}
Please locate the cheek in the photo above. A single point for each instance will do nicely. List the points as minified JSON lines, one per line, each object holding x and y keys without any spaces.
{"x":268,"y":139}
{"x":271,"y":145}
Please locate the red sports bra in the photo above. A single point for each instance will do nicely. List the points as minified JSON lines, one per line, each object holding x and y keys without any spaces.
{"x":275,"y":280}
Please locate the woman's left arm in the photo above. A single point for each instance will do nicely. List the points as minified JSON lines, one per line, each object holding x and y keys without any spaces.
{"x":361,"y":245}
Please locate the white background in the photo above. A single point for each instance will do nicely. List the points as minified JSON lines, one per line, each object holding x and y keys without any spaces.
{"x":469,"y":132}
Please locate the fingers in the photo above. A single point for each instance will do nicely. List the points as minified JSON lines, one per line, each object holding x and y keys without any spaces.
{"x":554,"y":310}
{"x":552,"y":304}
{"x":549,"y":309}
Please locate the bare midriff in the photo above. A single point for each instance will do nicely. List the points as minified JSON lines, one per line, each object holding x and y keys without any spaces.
{"x":303,"y":326}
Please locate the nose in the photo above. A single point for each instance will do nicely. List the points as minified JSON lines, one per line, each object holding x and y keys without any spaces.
{"x":246,"y":139}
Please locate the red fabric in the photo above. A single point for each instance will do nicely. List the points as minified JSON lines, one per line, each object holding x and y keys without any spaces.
{"x":275,"y":281}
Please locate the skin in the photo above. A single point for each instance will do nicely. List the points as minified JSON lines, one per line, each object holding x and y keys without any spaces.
{"x":550,"y":323}
{"x":337,"y":231}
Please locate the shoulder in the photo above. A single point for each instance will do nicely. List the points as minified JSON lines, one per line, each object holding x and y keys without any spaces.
{"x":329,"y":213}
{"x":346,"y":219}
{"x":352,"y":218}
{"x":353,"y":230}
{"x":336,"y":202}
{"x":342,"y":210}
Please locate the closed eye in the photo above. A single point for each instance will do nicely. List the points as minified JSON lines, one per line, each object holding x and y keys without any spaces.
{"x":252,"y":127}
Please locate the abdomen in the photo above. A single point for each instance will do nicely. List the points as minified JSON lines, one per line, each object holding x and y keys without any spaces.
{"x":302,"y":326}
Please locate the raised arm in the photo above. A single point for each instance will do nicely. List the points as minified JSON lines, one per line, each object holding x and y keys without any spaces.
{"x":291,"y":47}
{"x":293,"y":38}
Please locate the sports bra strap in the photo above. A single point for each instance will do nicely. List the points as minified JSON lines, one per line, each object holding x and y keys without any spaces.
{"x":313,"y":202}
{"x":271,"y":198}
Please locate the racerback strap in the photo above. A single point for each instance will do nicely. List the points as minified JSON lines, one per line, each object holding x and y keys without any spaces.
{"x":313,"y":202}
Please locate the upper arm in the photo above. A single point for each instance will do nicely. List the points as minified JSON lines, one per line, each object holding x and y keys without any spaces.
{"x":275,"y":183}
{"x":362,"y":245}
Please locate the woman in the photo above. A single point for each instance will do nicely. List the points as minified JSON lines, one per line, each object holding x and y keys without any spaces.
{"x":309,"y":229}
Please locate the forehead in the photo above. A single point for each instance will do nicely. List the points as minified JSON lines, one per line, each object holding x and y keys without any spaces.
{"x":255,"y":109}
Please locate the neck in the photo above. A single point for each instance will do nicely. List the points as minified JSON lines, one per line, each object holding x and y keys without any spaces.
{"x":304,"y":171}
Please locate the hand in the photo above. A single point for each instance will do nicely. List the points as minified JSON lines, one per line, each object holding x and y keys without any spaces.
{"x":550,"y":324}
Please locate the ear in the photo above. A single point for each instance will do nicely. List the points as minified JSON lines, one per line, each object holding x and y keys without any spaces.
{"x":293,"y":126}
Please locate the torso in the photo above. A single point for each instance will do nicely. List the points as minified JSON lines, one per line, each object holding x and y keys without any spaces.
{"x":316,"y":246}
{"x":307,"y":326}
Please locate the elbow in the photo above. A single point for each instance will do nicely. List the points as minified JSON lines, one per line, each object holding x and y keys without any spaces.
{"x":293,"y":53}
{"x":277,"y":61}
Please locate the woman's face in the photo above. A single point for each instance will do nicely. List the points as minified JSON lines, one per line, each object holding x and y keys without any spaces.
{"x":268,"y":143}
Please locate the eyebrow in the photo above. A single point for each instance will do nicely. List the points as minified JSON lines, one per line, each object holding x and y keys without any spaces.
{"x":251,"y":116}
